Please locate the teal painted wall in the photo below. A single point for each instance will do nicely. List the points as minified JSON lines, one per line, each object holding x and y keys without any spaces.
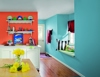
{"x":87,"y":37}
{"x":40,"y":21}
{"x":87,"y":29}
{"x":51,"y":23}
{"x":62,"y":24}
{"x":71,"y":16}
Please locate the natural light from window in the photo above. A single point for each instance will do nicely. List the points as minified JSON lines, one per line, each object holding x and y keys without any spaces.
{"x":71,"y":38}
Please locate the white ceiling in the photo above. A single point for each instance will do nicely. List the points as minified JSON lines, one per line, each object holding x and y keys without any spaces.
{"x":45,"y":8}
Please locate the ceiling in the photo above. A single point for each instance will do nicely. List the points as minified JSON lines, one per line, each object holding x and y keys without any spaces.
{"x":45,"y":8}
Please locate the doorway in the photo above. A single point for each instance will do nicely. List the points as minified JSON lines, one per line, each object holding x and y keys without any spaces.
{"x":41,"y":33}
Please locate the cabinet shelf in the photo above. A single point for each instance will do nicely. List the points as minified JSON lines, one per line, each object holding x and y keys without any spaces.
{"x":24,"y":32}
{"x":19,"y":21}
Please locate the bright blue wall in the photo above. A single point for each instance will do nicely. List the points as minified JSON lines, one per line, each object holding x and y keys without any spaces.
{"x":71,"y":16}
{"x":65,"y":28}
{"x":51,"y":48}
{"x":62,"y":23}
{"x":40,"y":21}
{"x":51,"y":23}
{"x":87,"y":37}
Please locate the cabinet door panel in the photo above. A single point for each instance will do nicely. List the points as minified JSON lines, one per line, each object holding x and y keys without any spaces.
{"x":5,"y":53}
{"x":11,"y":53}
{"x":34,"y":56}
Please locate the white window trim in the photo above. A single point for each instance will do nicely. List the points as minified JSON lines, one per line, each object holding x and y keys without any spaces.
{"x":70,"y":38}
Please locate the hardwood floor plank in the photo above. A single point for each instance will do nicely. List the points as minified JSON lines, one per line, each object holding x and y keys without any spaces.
{"x":49,"y":67}
{"x":45,"y":71}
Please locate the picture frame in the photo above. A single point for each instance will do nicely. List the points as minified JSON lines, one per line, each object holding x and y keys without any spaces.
{"x":18,"y":38}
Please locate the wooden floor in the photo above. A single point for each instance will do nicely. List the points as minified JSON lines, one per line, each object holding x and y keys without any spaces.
{"x":49,"y":67}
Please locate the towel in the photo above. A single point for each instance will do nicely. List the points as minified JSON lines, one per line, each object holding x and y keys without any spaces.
{"x":48,"y":36}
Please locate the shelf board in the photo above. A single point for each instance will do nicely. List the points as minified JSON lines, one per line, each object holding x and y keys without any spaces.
{"x":24,"y":32}
{"x":19,"y":21}
{"x":68,"y":53}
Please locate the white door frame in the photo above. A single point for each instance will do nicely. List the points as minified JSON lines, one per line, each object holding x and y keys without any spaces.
{"x":43,"y":35}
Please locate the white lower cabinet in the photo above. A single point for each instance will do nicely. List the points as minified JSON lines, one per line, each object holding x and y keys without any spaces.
{"x":32,"y":54}
{"x":5,"y":53}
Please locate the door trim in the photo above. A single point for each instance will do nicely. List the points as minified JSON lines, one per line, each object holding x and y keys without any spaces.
{"x":44,"y":36}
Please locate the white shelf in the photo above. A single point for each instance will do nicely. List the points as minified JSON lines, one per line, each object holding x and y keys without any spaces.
{"x":19,"y":21}
{"x":24,"y":32}
{"x":68,"y":53}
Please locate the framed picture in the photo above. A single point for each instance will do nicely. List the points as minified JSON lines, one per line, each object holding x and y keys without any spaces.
{"x":18,"y":38}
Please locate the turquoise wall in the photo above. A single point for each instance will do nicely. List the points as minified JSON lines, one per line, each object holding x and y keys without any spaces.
{"x":71,"y":16}
{"x":62,"y":24}
{"x":40,"y":21}
{"x":53,"y":23}
{"x":87,"y":37}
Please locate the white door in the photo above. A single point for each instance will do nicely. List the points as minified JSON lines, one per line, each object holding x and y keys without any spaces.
{"x":41,"y":32}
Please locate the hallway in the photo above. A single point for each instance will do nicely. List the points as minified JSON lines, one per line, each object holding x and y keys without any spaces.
{"x":49,"y":67}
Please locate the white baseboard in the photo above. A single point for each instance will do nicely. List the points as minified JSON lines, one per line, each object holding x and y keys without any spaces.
{"x":68,"y":66}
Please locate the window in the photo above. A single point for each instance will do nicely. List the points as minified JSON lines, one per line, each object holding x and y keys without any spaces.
{"x":71,"y":33}
{"x":71,"y":38}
